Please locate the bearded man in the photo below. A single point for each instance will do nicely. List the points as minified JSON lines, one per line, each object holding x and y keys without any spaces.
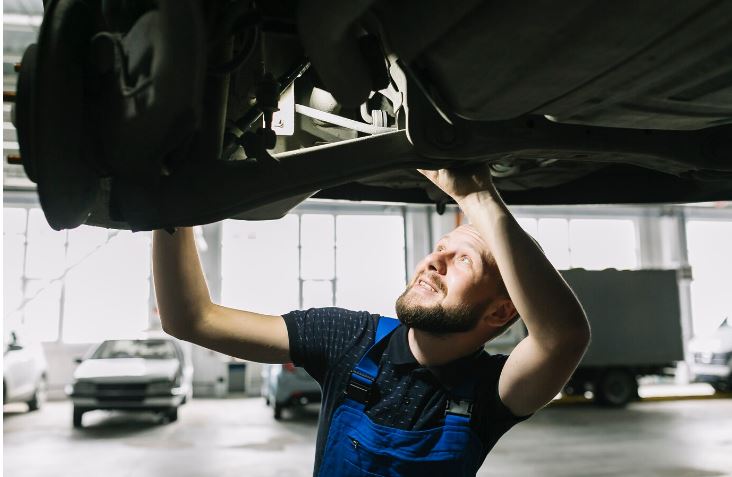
{"x":418,"y":395}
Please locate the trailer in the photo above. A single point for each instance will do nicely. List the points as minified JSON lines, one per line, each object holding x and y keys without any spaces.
{"x":636,"y":331}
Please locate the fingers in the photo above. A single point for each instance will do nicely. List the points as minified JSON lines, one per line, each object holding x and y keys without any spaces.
{"x":431,"y":175}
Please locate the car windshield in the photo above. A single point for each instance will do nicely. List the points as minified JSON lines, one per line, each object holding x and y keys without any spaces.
{"x":148,"y":349}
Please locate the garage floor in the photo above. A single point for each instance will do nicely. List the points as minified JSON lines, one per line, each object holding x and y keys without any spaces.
{"x":236,"y":437}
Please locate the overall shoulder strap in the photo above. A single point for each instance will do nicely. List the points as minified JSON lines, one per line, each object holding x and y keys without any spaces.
{"x":385,"y":326}
{"x":369,"y":364}
{"x":364,"y":374}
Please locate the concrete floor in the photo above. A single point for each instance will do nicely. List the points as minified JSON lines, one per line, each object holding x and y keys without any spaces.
{"x":236,"y":437}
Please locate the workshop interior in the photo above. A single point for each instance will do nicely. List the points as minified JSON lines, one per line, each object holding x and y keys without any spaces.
{"x":289,"y":135}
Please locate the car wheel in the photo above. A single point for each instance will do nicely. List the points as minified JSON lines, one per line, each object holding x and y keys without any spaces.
{"x":39,"y":395}
{"x":615,"y":388}
{"x":278,"y":411}
{"x":172,"y":414}
{"x":78,"y":413}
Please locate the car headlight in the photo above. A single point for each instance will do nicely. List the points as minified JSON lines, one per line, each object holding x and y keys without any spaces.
{"x":160,"y":387}
{"x":83,"y":387}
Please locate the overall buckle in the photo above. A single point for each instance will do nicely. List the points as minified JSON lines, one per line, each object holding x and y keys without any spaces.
{"x":358,"y":390}
{"x":459,"y":407}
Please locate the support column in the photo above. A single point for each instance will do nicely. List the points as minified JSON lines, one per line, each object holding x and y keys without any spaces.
{"x":685,"y":277}
{"x":445,"y":223}
{"x":662,"y":240}
{"x":208,"y":239}
{"x":653,"y":248}
{"x":418,"y":236}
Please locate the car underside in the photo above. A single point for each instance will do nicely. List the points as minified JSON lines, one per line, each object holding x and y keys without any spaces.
{"x":155,"y":114}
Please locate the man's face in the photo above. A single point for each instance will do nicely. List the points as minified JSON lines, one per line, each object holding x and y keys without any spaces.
{"x":452,"y":286}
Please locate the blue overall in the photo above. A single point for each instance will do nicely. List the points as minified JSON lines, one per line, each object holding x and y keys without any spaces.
{"x":356,"y":446}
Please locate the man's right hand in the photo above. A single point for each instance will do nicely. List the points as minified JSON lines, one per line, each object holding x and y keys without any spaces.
{"x":186,"y":310}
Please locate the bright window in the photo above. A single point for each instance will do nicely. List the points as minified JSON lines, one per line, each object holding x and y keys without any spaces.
{"x":529,"y":225}
{"x":46,"y":248}
{"x":596,"y":244}
{"x":260,"y":265}
{"x":107,"y":291}
{"x":710,"y":257}
{"x":41,"y":310}
{"x":13,"y":257}
{"x":370,"y":262}
{"x":317,"y":293}
{"x":553,"y":235}
{"x":350,"y":261}
{"x":14,"y":221}
{"x":317,"y":239}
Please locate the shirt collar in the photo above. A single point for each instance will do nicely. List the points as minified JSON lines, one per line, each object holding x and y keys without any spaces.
{"x":398,"y":350}
{"x":449,"y":374}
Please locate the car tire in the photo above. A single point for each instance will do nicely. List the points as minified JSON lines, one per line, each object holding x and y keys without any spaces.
{"x":172,"y":414}
{"x":39,"y":395}
{"x":78,"y":413}
{"x":615,"y":388}
{"x":278,"y":411}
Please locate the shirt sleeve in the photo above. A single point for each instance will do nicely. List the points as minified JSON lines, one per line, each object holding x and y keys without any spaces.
{"x":501,"y":411}
{"x":494,"y":418}
{"x":319,"y":337}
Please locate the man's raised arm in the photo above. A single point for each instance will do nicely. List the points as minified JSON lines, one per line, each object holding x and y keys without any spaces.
{"x":542,"y":363}
{"x":186,"y":310}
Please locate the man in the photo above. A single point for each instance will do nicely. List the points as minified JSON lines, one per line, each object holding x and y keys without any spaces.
{"x":417,"y":396}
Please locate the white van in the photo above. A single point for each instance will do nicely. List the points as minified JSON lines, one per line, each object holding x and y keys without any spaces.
{"x":712,"y":361}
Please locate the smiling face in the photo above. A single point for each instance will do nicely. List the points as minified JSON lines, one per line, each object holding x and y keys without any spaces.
{"x":453,"y":287}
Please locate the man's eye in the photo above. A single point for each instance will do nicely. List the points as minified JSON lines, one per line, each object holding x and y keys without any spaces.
{"x":465,"y":259}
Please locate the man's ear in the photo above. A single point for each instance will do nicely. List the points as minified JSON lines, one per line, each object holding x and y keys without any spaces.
{"x":500,"y":311}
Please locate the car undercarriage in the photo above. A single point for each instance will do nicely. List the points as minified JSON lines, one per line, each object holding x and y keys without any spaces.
{"x":162,"y":113}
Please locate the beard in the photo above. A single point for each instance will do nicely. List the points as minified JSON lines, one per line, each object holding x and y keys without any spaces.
{"x":436,"y":319}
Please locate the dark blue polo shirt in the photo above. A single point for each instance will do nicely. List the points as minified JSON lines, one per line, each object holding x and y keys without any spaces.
{"x":329,"y":342}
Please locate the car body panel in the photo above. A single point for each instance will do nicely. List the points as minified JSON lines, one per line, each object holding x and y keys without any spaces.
{"x":24,"y":365}
{"x":712,"y":357}
{"x":288,"y":388}
{"x":127,"y":369}
{"x":564,"y":104}
{"x":132,"y":383}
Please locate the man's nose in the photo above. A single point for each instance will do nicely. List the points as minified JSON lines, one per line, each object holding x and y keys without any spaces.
{"x":437,"y":262}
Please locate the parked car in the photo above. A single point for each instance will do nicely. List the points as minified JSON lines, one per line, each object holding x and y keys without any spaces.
{"x":712,"y":355}
{"x":150,"y":374}
{"x":24,"y":371}
{"x":287,"y":386}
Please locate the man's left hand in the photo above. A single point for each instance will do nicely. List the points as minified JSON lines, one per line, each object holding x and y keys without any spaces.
{"x":460,"y":184}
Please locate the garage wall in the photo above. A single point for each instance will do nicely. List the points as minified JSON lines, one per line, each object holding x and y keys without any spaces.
{"x":657,"y":238}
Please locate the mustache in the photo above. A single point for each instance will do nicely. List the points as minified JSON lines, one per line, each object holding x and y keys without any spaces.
{"x":432,"y":279}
